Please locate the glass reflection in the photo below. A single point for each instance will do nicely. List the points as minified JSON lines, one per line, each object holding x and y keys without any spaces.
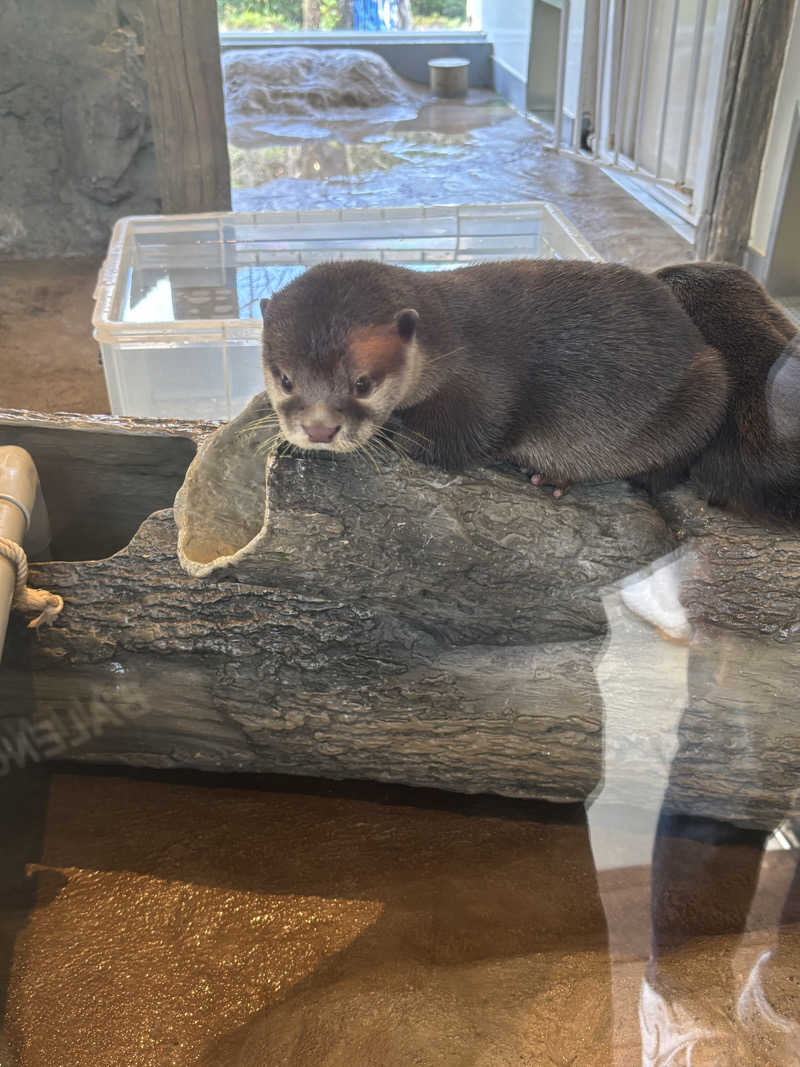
{"x":720,"y":719}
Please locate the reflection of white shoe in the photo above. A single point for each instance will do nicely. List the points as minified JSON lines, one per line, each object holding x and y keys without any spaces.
{"x":672,"y":1036}
{"x":656,"y":600}
{"x":756,"y":1012}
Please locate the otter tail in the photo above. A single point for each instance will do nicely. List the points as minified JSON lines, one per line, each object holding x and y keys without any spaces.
{"x":752,"y":464}
{"x":724,"y":300}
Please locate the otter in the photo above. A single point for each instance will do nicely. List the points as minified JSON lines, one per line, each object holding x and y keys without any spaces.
{"x":752,"y":462}
{"x":573,"y":370}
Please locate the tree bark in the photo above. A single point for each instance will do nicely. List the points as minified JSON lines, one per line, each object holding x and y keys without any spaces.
{"x":407,"y":625}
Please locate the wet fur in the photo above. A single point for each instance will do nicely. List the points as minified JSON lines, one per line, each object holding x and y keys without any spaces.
{"x":752,"y":463}
{"x":579,"y":370}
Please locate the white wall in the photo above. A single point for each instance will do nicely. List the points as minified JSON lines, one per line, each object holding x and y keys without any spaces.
{"x":777,"y":142}
{"x":508,"y":25}
{"x":572,"y":74}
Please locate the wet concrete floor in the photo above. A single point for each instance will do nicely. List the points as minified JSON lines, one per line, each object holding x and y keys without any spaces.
{"x":473,"y":151}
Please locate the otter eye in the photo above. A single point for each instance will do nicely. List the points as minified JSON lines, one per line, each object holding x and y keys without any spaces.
{"x":362,"y":386}
{"x":284,"y":379}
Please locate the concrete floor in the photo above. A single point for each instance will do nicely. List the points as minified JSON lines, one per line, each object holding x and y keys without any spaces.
{"x":474,"y":151}
{"x":48,"y":360}
{"x":181,"y":921}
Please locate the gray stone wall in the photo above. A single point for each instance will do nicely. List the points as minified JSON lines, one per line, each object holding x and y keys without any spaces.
{"x":76,"y":149}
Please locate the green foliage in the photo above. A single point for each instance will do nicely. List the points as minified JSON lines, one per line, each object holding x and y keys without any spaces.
{"x":260,"y":14}
{"x":449,"y":9}
{"x":288,"y":14}
{"x":329,"y":14}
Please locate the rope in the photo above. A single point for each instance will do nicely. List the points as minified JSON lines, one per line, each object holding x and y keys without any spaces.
{"x":49,"y":605}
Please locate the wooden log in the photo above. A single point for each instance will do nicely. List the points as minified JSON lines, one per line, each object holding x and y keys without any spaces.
{"x":756,"y":52}
{"x":407,"y":625}
{"x":399,"y":624}
{"x":187,"y":106}
{"x":741,"y":576}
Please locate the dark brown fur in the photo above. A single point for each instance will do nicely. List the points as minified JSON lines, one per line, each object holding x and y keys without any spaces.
{"x":752,"y":463}
{"x":579,"y":370}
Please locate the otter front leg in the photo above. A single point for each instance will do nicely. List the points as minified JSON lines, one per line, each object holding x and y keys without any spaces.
{"x":538,"y":479}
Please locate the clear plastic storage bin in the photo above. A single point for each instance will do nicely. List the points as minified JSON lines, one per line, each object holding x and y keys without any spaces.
{"x":177,"y":310}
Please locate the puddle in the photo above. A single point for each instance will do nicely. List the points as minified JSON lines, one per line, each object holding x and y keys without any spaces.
{"x":476,"y":150}
{"x":449,"y":150}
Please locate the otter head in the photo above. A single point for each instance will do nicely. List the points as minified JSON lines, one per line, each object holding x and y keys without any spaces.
{"x":331,"y":380}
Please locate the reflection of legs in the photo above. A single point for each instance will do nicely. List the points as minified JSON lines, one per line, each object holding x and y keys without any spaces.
{"x":790,"y":915}
{"x":770,"y":1001}
{"x":704,"y":875}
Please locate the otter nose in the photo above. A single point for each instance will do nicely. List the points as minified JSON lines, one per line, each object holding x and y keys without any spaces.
{"x":320,"y":432}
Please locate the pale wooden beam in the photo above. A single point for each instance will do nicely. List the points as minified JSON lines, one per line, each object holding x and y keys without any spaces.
{"x":186,"y":105}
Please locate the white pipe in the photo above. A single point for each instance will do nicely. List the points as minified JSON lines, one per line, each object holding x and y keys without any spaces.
{"x":21,"y":510}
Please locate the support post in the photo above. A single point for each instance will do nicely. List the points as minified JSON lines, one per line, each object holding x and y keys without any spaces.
{"x":187,"y":105}
{"x":757,"y":48}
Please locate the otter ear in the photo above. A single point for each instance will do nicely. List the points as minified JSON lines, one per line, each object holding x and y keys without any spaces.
{"x":405,"y":322}
{"x":264,"y":305}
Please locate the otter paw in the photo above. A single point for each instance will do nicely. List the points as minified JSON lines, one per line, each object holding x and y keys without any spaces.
{"x":559,"y":488}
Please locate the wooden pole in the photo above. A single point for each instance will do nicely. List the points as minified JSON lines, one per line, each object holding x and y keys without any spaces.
{"x":187,"y":105}
{"x":756,"y":53}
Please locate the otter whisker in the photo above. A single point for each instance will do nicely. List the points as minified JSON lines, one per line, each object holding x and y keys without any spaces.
{"x":398,"y":444}
{"x":258,"y":424}
{"x":269,"y":416}
{"x":414,"y":436}
{"x":444,"y":355}
{"x":269,"y":443}
{"x":365,"y":450}
{"x":392,"y":453}
{"x":399,"y":448}
{"x":389,"y":447}
{"x":381,"y":451}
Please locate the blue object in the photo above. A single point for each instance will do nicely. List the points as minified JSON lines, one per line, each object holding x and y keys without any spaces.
{"x":375,"y":15}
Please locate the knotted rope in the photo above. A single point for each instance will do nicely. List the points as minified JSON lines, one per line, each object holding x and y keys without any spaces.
{"x":49,"y":605}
